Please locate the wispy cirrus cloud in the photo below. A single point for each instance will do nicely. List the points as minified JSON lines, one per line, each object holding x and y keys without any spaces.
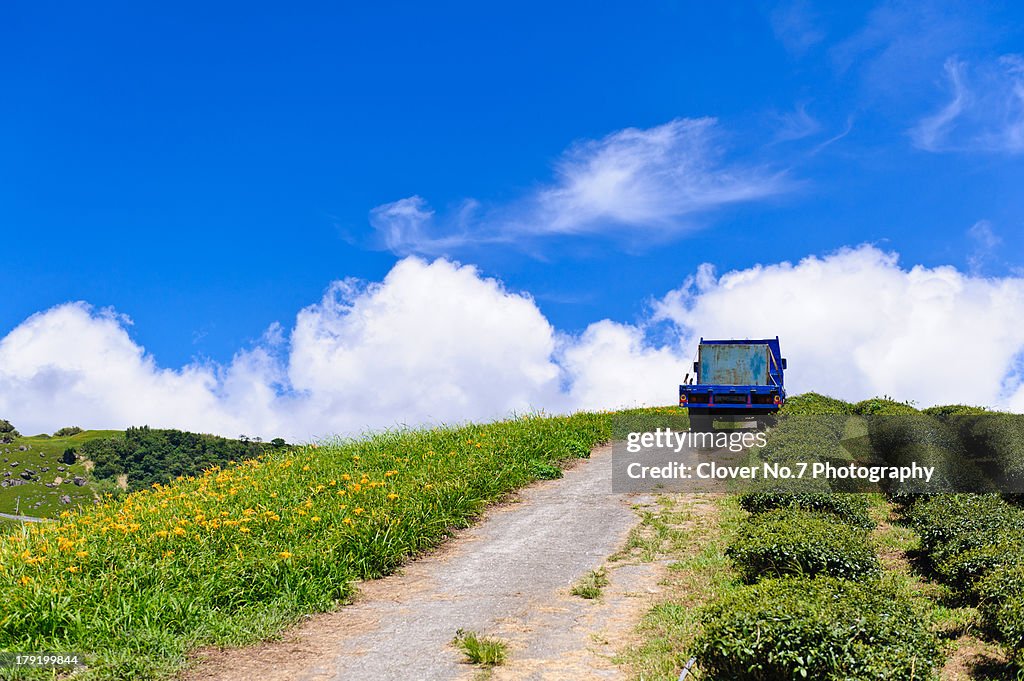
{"x":796,"y":26}
{"x":984,"y":112}
{"x":986,"y":246}
{"x":900,"y":43}
{"x":666,"y":180}
{"x":930,"y":67}
{"x":796,"y":124}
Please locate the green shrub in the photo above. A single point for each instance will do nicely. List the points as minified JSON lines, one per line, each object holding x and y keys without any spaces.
{"x":849,"y":508}
{"x":1001,"y":604}
{"x":893,"y":435}
{"x":965,"y":537}
{"x":946,"y":411}
{"x":962,"y":563}
{"x":823,"y":629}
{"x":815,"y":404}
{"x":807,"y":439}
{"x":8,"y":433}
{"x":941,"y":518}
{"x":68,"y":431}
{"x":996,"y":440}
{"x":926,"y":441}
{"x":791,"y":541}
{"x":812,"y":438}
{"x":883,"y":406}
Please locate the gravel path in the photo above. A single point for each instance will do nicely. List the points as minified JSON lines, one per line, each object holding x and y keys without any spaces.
{"x":25,"y":518}
{"x":508,"y":575}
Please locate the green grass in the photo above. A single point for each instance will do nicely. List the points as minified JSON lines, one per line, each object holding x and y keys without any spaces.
{"x":699,"y":574}
{"x":661,"y":532}
{"x":236,"y":554}
{"x":487,"y":652}
{"x":35,"y":498}
{"x":648,"y":419}
{"x":591,"y":584}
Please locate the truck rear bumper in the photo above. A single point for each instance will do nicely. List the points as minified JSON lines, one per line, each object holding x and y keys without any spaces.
{"x":732,"y":398}
{"x":704,"y":410}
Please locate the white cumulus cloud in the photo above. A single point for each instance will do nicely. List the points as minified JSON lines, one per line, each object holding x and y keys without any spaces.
{"x":439,"y":342}
{"x":856,"y":324}
{"x":433,"y":341}
{"x":74,"y":365}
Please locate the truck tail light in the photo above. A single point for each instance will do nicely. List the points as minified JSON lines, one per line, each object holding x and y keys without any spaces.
{"x":777,"y":399}
{"x":682,"y":399}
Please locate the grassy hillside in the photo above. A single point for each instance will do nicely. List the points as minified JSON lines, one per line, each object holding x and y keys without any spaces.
{"x":239,"y":552}
{"x":33,"y":497}
{"x":34,"y":481}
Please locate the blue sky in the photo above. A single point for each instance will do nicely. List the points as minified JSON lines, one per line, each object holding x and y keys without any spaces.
{"x":209,"y":170}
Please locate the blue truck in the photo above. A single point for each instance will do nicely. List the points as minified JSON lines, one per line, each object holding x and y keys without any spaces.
{"x":734,"y":380}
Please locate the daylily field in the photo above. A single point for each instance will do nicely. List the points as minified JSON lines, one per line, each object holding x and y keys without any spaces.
{"x":237,"y":553}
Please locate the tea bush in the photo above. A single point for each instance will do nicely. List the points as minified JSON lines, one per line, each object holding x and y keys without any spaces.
{"x":926,"y":441}
{"x":807,"y":439}
{"x":942,"y":518}
{"x":946,"y":411}
{"x":814,"y":404}
{"x":1002,"y":607}
{"x":824,"y":629}
{"x":883,"y":406}
{"x":792,"y":541}
{"x":848,"y":508}
{"x":975,"y":544}
{"x":996,"y":440}
{"x":961,"y":562}
{"x":968,"y":539}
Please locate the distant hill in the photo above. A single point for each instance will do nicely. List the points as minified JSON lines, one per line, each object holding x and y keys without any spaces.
{"x":151,"y":455}
{"x":42,"y":475}
{"x":35,"y":479}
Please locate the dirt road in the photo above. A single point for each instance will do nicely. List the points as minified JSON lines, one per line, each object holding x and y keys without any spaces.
{"x":507,"y":576}
{"x":25,"y":518}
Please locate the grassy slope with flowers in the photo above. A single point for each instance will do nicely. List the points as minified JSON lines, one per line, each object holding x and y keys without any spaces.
{"x":240,"y":552}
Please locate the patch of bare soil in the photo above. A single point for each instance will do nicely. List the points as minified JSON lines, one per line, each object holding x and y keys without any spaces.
{"x":973,"y":660}
{"x":582,"y":637}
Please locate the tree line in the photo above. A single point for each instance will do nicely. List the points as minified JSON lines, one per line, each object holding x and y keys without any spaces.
{"x":148,"y":455}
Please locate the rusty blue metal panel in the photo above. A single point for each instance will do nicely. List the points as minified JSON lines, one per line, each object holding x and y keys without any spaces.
{"x":734,"y":364}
